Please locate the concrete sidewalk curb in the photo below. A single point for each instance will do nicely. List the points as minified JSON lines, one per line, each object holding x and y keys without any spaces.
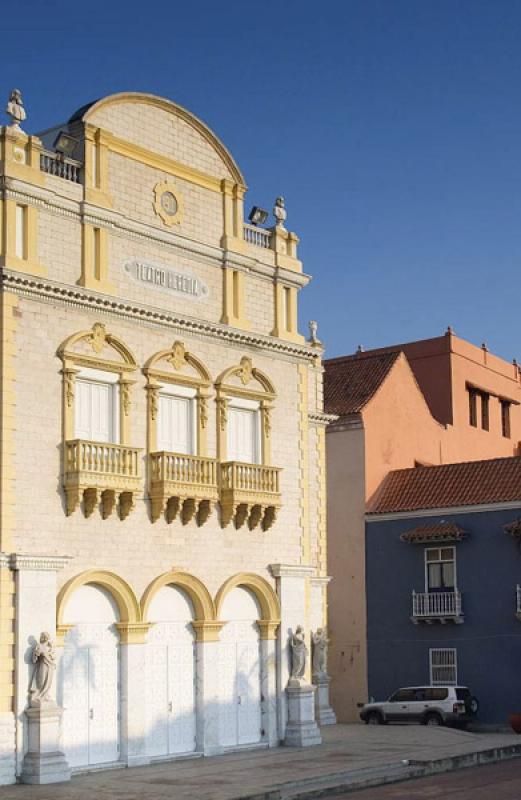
{"x":334,"y":783}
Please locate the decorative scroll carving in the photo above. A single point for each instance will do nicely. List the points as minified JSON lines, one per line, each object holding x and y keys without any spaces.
{"x":98,"y":337}
{"x":222,"y":411}
{"x":178,"y":356}
{"x":246,"y":370}
{"x":203,"y":410}
{"x":125,"y":397}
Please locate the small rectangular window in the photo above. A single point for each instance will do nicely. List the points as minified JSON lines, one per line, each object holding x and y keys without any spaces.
{"x":505,"y":418}
{"x":473,"y":408}
{"x":485,"y":402}
{"x":443,"y":667}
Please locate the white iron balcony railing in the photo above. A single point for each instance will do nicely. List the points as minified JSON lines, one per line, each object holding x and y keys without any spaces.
{"x":55,"y":164}
{"x":437,"y":606}
{"x":257,"y":236}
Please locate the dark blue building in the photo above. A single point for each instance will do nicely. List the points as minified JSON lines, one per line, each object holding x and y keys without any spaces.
{"x":443,"y":561}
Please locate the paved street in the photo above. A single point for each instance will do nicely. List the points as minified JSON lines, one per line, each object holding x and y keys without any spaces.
{"x":346,"y":748}
{"x":495,"y":782}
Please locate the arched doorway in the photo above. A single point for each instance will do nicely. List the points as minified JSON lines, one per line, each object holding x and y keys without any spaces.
{"x":88,"y":677}
{"x":170,"y":674}
{"x":240,"y":669}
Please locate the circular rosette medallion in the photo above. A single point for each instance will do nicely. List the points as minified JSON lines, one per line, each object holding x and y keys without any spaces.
{"x":168,"y":203}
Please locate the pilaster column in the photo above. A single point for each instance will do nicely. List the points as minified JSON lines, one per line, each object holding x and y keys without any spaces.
{"x":268,"y":651}
{"x":208,"y":719}
{"x":294,"y":597}
{"x":7,"y":718}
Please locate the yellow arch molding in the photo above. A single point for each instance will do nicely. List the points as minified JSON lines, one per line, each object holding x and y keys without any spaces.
{"x":246,"y":371}
{"x":178,"y":357}
{"x":97,"y":337}
{"x":268,"y":600}
{"x":195,"y":589}
{"x":179,"y":111}
{"x":128,"y":606}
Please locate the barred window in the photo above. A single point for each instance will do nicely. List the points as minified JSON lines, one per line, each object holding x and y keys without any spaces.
{"x":443,"y":667}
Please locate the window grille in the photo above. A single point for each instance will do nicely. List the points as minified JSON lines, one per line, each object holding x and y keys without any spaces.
{"x":443,"y":667}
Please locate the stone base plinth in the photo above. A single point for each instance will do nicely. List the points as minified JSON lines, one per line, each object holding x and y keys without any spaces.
{"x":323,"y":711}
{"x":301,"y":730}
{"x":44,"y":762}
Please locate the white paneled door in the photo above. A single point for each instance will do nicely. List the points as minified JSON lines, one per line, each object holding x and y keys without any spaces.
{"x":242,"y":435}
{"x":175,"y":428}
{"x":170,"y":689}
{"x":89,"y":692}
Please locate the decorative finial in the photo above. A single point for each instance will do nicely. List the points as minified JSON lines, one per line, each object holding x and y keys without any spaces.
{"x":360,"y":348}
{"x":15,"y":109}
{"x":279,"y":212}
{"x":484,"y":346}
{"x":313,"y":329}
{"x":449,"y":330}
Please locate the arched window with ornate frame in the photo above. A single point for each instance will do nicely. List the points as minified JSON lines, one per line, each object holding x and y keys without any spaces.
{"x":249,"y":484}
{"x":182,"y":479}
{"x":99,"y":465}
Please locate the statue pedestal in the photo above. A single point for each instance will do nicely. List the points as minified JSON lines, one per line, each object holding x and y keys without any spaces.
{"x":324,"y":713}
{"x":301,"y":730}
{"x":44,"y":762}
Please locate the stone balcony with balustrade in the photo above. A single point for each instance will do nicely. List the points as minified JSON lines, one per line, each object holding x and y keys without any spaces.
{"x":97,"y":472}
{"x":249,"y":492}
{"x":432,"y":607}
{"x":182,"y":484}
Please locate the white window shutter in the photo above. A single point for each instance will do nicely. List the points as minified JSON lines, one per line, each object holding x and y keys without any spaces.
{"x":242,"y":435}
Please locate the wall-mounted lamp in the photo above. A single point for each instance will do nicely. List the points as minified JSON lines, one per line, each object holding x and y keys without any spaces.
{"x":258,"y":216}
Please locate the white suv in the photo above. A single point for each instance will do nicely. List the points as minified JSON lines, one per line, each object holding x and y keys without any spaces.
{"x":429,"y":705}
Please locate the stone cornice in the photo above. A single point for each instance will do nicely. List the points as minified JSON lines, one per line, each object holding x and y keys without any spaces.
{"x":321,"y":418}
{"x":292,"y":571}
{"x":76,"y":296}
{"x":19,"y":561}
{"x":323,"y":580}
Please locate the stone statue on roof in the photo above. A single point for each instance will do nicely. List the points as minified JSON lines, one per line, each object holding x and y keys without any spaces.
{"x":15,"y":109}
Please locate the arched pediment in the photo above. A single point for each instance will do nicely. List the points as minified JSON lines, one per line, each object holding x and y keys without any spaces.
{"x":246,"y":378}
{"x":177,"y":364}
{"x":95,"y":347}
{"x":124,"y":105}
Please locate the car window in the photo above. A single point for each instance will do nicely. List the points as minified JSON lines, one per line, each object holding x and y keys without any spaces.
{"x":402,"y":696}
{"x":421,"y":694}
{"x":463,"y":694}
{"x":436,"y":693}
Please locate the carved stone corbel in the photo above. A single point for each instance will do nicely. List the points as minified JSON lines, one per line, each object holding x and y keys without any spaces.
{"x":188,"y":510}
{"x":172,"y":509}
{"x":203,"y":512}
{"x":254,"y":517}
{"x":108,"y":502}
{"x":90,"y":501}
{"x":126,"y":504}
{"x":73,"y":499}
{"x":157,"y":507}
{"x":270,"y":515}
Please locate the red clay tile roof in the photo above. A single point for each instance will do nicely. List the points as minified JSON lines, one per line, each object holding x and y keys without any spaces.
{"x":470,"y":483}
{"x":351,"y":381}
{"x":441,"y":532}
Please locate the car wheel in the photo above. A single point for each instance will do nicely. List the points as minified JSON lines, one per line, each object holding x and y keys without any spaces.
{"x":432,"y":719}
{"x":472,"y":706}
{"x":374,"y":718}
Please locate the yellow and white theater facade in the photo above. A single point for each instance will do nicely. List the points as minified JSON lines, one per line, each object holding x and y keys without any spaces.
{"x":162,"y":508}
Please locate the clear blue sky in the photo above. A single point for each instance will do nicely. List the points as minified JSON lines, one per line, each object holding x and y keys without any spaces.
{"x":392,"y":127}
